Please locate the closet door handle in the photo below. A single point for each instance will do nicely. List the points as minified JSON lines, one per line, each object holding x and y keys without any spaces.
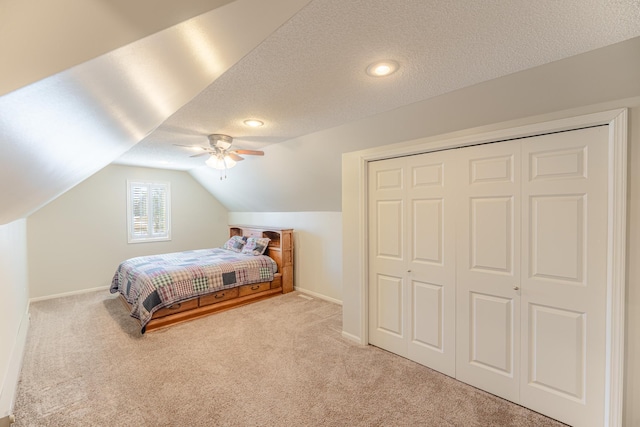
{"x":515,"y":288}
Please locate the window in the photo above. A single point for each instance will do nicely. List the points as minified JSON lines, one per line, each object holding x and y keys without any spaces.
{"x":148,"y":211}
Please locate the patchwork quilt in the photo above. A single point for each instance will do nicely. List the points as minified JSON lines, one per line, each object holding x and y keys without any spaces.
{"x":149,"y":283}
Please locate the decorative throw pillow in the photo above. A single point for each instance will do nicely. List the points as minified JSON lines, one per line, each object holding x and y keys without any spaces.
{"x":235,"y":243}
{"x":255,"y":245}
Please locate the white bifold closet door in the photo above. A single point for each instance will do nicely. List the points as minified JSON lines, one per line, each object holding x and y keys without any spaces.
{"x":531,"y":272}
{"x":488,"y":268}
{"x":489,"y":264}
{"x":564,"y":280}
{"x":411,"y":251}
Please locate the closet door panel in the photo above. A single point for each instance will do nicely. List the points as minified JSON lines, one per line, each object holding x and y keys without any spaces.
{"x":557,"y":237}
{"x":428,"y":226}
{"x":491,"y":234}
{"x":557,"y":339}
{"x":387,"y":256}
{"x":488,"y":268}
{"x":390,"y":307}
{"x":389,"y":224}
{"x":564,"y":281}
{"x":431,"y":260}
{"x":428,"y":315}
{"x":491,"y":333}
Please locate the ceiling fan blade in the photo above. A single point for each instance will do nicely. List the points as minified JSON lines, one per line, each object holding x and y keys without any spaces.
{"x":250,"y":152}
{"x":195,"y":147}
{"x":189,"y":146}
{"x":234,"y":156}
{"x":200,"y":154}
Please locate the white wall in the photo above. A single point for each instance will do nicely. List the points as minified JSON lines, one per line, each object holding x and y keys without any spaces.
{"x":14,"y":303}
{"x":317,"y":251}
{"x":76,"y":242}
{"x":353,"y":232}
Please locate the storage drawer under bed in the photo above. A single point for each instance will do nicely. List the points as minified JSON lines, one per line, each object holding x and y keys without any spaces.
{"x":254,"y":288}
{"x":223,"y":295}
{"x":219,"y":296}
{"x":176,"y":308}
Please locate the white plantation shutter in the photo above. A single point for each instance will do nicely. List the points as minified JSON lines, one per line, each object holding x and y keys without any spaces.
{"x":139,"y":195}
{"x":159,"y":204}
{"x":148,"y":211}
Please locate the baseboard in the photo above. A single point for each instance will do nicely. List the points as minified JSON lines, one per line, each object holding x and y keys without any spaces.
{"x":9,"y":388}
{"x":351,"y":337}
{"x":7,"y":421}
{"x":317,"y":295}
{"x":67,"y":294}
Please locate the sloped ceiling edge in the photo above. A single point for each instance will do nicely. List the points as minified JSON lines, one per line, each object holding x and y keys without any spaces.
{"x":60,"y":130}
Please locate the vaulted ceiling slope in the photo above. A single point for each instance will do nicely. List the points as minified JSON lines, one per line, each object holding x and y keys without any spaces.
{"x":58,"y":131}
{"x":300,"y":68}
{"x":307,"y":82}
{"x":309,"y":75}
{"x":39,"y":39}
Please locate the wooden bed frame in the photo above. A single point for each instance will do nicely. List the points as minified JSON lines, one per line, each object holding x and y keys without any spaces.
{"x":280,"y":250}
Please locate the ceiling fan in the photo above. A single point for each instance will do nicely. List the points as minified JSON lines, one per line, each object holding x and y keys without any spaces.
{"x":222,"y":156}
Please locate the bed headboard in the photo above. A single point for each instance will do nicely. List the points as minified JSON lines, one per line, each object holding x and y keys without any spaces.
{"x":280,"y":248}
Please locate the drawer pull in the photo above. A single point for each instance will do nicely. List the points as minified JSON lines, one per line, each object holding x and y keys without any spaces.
{"x":255,"y":288}
{"x":219,"y":296}
{"x":174,"y":306}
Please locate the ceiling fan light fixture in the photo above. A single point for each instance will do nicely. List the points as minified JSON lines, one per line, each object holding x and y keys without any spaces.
{"x":382,"y":68}
{"x":254,"y":123}
{"x":220,"y":162}
{"x":229,"y":162}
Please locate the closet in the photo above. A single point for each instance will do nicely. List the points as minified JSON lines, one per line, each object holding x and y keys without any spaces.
{"x":488,"y":263}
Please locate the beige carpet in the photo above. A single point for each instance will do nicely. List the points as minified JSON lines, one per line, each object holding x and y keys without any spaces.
{"x":279,"y":362}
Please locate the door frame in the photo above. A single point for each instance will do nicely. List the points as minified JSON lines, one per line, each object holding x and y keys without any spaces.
{"x":355,"y":242}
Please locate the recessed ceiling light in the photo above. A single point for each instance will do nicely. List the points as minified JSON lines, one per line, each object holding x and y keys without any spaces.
{"x":253,"y":123}
{"x":382,"y":68}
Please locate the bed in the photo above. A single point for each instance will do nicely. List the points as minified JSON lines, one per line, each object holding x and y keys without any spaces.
{"x":162,"y":290}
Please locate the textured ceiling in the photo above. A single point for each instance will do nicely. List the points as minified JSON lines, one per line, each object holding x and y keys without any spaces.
{"x":309,"y":74}
{"x":58,"y":131}
{"x":299,"y":66}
